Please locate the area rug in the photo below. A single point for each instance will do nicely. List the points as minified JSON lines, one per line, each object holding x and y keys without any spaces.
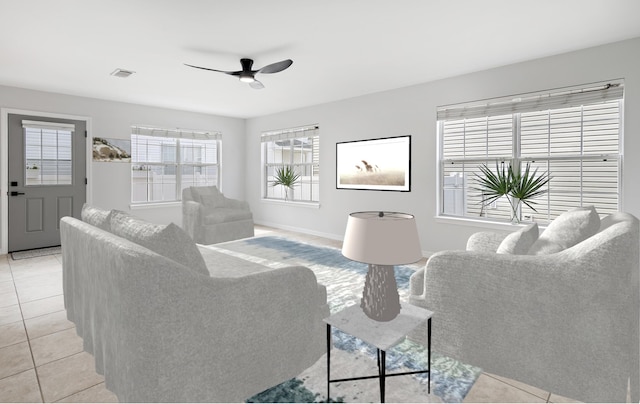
{"x":38,"y":252}
{"x":344,"y":279}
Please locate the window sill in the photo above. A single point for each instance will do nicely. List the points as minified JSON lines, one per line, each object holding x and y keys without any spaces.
{"x":483,"y":224}
{"x":312,"y":205}
{"x":153,"y":205}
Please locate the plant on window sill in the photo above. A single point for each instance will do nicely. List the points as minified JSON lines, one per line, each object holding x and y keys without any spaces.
{"x":287,"y":177}
{"x":518,"y":186}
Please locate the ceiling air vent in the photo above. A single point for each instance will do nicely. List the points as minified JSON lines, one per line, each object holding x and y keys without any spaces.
{"x":122,"y":73}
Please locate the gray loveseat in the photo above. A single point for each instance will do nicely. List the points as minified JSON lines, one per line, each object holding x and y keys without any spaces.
{"x":564,"y":320}
{"x":209,"y":217}
{"x":169,"y":321}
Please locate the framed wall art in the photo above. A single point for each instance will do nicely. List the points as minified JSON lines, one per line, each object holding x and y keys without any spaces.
{"x":111,"y":150}
{"x":375,"y":164}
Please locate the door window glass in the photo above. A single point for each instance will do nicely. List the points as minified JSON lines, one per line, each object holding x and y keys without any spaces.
{"x":47,"y":156}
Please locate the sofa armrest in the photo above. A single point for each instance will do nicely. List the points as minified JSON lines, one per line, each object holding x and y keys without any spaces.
{"x":416,"y":282}
{"x":485,"y":241}
{"x":191,"y":217}
{"x":230,"y":330}
{"x":235,"y":203}
{"x":498,"y":311}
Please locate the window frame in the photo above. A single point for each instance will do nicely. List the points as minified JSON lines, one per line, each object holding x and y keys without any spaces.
{"x":178,"y":160}
{"x":313,"y":166}
{"x":547,"y":210}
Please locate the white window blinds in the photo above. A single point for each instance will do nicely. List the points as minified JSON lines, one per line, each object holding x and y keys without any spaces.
{"x":573,"y":134}
{"x":166,"y":161}
{"x":306,"y":131}
{"x":175,"y":133}
{"x":297,"y":149}
{"x":562,"y":98}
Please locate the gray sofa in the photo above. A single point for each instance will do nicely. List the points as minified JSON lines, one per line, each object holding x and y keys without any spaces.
{"x":559,"y":311}
{"x":209,"y":217}
{"x":169,"y":321}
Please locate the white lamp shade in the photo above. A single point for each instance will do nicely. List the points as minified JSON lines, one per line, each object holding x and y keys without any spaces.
{"x":390,"y":239}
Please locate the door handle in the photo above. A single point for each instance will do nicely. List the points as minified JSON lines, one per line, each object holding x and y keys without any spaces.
{"x":14,"y":193}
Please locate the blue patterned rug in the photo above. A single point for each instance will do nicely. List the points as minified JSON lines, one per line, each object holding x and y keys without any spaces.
{"x":344,"y":279}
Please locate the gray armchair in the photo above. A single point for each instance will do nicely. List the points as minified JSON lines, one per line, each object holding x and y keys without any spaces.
{"x":209,"y":217}
{"x":565,"y":322}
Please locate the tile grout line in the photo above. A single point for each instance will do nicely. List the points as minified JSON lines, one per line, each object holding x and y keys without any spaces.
{"x":35,"y":370}
{"x":77,"y":392}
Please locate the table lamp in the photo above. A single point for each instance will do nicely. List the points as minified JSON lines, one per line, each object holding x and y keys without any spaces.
{"x":382,"y":240}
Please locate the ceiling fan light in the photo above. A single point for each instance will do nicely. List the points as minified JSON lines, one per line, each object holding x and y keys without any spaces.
{"x":247,"y":78}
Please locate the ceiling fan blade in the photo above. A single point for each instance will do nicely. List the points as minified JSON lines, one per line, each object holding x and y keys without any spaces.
{"x":214,"y":70}
{"x":276,"y":67}
{"x":256,"y":85}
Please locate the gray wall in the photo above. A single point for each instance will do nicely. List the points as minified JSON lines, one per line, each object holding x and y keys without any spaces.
{"x":110,"y":182}
{"x":403,"y":111}
{"x":412,"y":111}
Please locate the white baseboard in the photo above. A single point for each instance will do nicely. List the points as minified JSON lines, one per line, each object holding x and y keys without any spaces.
{"x":300,"y":230}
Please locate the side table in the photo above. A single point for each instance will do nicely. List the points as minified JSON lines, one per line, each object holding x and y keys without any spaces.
{"x":382,"y":335}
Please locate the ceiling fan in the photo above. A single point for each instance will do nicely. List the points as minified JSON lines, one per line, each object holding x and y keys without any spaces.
{"x":247,"y":75}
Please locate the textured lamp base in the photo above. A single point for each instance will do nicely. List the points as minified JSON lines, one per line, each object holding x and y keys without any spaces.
{"x":380,"y":299}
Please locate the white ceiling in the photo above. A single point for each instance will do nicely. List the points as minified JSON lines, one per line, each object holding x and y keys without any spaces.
{"x":340,"y":48}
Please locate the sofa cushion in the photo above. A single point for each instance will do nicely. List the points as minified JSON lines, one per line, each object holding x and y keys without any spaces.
{"x":519,"y":242}
{"x":169,"y":241}
{"x":567,"y":230}
{"x":220,"y":215}
{"x":95,"y":216}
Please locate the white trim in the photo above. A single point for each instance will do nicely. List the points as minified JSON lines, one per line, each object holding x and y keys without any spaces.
{"x":301,"y":204}
{"x":300,"y":230}
{"x":4,"y":163}
{"x":153,"y":205}
{"x":49,"y":125}
{"x":484,"y":224}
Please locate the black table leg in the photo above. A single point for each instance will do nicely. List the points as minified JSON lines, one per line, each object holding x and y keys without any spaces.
{"x":429,"y":353}
{"x":383,"y":361}
{"x":328,"y":361}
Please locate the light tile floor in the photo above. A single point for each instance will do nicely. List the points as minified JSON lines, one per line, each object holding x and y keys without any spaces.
{"x":42,"y":360}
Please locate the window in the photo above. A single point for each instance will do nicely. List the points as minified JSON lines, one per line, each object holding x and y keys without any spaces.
{"x":299,"y":149}
{"x":47,"y":153}
{"x":165,"y":161}
{"x":573,"y":134}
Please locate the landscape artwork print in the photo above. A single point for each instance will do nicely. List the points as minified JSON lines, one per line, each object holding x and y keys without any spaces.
{"x":375,"y":164}
{"x":111,"y":150}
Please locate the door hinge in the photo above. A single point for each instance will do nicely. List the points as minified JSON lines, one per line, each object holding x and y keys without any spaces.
{"x":85,"y":181}
{"x":85,"y":133}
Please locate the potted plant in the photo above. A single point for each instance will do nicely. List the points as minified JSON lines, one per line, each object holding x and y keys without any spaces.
{"x":287,"y":177}
{"x":516,"y":185}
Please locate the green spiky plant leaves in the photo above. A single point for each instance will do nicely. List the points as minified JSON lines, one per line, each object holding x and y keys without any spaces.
{"x":287,"y":177}
{"x":519,"y":186}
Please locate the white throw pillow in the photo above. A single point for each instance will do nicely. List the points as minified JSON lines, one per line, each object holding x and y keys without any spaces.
{"x":199,"y":194}
{"x":95,"y":216}
{"x":567,"y":230}
{"x":169,"y":241}
{"x":212,"y":201}
{"x":519,"y":242}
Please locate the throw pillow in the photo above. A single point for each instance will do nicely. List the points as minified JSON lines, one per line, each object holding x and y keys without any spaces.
{"x":212,"y":201}
{"x":169,"y":241}
{"x":95,"y":216}
{"x":198,"y":193}
{"x":567,"y":230}
{"x":519,"y":242}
